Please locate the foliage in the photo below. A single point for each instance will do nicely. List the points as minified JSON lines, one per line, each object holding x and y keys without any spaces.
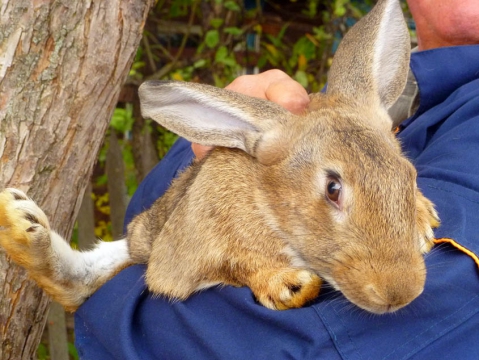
{"x":72,"y":351}
{"x":220,"y":38}
{"x":122,"y":122}
{"x":103,"y":225}
{"x":44,"y":354}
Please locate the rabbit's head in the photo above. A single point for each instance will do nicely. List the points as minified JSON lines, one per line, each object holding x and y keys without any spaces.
{"x":346,"y":201}
{"x":336,"y":186}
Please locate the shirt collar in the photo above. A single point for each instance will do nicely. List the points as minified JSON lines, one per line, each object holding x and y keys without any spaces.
{"x":439,"y":72}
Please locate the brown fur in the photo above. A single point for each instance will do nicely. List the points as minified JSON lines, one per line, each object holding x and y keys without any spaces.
{"x":238,"y":222}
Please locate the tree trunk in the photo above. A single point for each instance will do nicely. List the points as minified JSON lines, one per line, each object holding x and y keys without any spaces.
{"x":62,"y":64}
{"x":115,"y":171}
{"x":86,"y":221}
{"x":145,"y":153}
{"x":57,"y":333}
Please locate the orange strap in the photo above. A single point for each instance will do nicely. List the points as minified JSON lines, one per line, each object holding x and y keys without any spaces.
{"x":459,"y":247}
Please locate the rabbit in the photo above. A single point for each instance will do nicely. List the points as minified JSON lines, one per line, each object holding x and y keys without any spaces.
{"x":283,"y":201}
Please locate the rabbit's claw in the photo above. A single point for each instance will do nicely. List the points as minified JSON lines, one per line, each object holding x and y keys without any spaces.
{"x":288,"y":288}
{"x":24,"y":229}
{"x":427,"y":220}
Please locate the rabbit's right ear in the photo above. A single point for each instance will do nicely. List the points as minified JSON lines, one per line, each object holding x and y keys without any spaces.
{"x":210,"y":116}
{"x":372,"y":61}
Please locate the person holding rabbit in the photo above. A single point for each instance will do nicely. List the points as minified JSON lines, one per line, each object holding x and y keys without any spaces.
{"x":433,"y":317}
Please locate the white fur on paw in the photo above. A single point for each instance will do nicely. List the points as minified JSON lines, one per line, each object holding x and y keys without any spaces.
{"x":28,"y":209}
{"x":25,"y":233}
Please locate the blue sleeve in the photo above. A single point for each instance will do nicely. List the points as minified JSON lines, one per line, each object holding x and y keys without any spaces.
{"x":123,"y":321}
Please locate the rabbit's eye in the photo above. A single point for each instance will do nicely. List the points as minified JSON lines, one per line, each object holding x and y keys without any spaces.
{"x":333,"y":189}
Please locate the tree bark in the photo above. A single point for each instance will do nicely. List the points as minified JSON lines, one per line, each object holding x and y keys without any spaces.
{"x":145,"y":153}
{"x":115,"y":171}
{"x":57,"y":333}
{"x":86,"y":221}
{"x":62,"y":64}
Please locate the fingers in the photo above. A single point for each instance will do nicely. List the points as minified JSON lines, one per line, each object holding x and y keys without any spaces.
{"x":272,"y":85}
{"x":200,"y":150}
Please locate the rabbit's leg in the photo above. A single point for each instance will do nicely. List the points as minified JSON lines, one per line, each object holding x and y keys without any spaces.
{"x":284,"y":288}
{"x":68,"y":276}
{"x":427,"y":220}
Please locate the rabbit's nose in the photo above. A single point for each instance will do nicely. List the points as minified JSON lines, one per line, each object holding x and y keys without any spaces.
{"x":392,"y":296}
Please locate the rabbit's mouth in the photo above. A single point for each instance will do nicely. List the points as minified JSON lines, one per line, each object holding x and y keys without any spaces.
{"x":380,"y":291}
{"x":379,"y":301}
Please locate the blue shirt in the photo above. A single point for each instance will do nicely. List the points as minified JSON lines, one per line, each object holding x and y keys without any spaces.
{"x":123,"y":321}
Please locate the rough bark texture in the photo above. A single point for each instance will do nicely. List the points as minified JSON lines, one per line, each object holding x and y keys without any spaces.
{"x":62,"y":64}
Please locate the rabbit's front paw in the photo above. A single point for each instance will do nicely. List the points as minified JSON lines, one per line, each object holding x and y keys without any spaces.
{"x":427,"y":220}
{"x":287,"y":288}
{"x":24,"y":229}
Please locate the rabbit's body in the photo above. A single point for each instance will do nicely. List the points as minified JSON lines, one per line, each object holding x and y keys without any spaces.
{"x":214,"y":245}
{"x":283,"y":201}
{"x":276,"y":216}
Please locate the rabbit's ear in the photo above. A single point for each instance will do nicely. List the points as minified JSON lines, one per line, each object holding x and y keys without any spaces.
{"x":372,"y":61}
{"x":208,"y":115}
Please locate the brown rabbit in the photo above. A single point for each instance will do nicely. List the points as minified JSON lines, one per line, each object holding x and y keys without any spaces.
{"x":283,"y":200}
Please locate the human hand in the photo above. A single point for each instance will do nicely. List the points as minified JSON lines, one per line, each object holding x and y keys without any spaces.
{"x":273,"y":85}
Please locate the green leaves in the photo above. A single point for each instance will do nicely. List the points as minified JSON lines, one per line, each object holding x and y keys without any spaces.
{"x":216,"y":22}
{"x":122,"y":119}
{"x":179,"y":8}
{"x":232,"y":5}
{"x":199,"y":64}
{"x":339,"y":7}
{"x":212,"y":38}
{"x":223,"y":57}
{"x":302,"y":78}
{"x":233,"y":30}
{"x":304,"y":47}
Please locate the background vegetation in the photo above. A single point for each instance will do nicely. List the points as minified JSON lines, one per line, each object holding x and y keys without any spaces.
{"x":207,"y":41}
